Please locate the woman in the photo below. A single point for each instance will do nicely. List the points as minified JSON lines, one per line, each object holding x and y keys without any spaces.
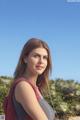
{"x":31,"y":76}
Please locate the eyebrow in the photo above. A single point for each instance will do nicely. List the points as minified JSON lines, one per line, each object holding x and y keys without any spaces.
{"x":39,"y":54}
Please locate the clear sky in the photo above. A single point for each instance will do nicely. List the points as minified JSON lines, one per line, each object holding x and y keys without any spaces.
{"x":55,"y":21}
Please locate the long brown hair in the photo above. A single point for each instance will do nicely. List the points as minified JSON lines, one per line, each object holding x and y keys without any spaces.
{"x":31,"y":44}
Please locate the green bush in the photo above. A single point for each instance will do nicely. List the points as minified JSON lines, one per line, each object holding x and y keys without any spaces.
{"x":4,"y":88}
{"x":62,"y":95}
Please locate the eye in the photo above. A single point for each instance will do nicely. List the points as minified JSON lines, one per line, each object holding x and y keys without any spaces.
{"x":36,"y":56}
{"x":45,"y":57}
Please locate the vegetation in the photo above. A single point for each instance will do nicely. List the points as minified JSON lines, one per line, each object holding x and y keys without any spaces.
{"x":62,"y":95}
{"x":4,"y":88}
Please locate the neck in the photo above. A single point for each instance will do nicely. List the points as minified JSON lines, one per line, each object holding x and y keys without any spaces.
{"x":31,"y":77}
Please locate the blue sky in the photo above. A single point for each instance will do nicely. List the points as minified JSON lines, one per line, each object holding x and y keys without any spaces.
{"x":55,"y":21}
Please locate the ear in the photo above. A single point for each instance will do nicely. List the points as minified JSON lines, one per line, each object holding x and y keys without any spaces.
{"x":25,"y":60}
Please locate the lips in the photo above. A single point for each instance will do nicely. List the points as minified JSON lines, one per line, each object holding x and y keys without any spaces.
{"x":39,"y":67}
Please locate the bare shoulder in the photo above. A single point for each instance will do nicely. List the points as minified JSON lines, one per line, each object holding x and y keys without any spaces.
{"x":23,"y":84}
{"x":22,"y":88}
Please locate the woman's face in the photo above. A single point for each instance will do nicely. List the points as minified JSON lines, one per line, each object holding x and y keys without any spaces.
{"x":37,"y":61}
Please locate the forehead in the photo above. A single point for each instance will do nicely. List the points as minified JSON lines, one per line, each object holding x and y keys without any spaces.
{"x":41,"y":51}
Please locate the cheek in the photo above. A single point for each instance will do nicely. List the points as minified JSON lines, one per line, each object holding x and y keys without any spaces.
{"x":46,"y":62}
{"x":32,"y":62}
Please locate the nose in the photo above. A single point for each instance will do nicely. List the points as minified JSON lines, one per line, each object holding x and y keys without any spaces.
{"x":41,"y":60}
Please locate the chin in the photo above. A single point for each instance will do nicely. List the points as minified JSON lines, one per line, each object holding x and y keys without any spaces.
{"x":39,"y":73}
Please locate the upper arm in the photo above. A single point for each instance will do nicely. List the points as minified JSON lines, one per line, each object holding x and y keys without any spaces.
{"x":25,"y":95}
